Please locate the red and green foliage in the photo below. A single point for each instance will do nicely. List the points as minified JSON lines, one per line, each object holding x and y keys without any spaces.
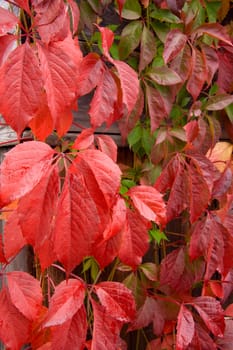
{"x":144,"y":250}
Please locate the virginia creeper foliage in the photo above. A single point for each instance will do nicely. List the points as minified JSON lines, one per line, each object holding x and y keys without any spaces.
{"x":144,"y":251}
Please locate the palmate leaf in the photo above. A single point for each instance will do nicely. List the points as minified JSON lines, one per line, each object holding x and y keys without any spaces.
{"x":77,"y":222}
{"x":130,"y":38}
{"x":88,"y":194}
{"x":7,"y":21}
{"x":25,"y":293}
{"x":20,"y":87}
{"x":66,"y":301}
{"x":15,"y":327}
{"x":22,"y":169}
{"x":149,"y":203}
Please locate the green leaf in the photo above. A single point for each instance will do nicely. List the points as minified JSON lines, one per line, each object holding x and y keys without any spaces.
{"x":219,"y":102}
{"x":131,"y":10}
{"x":161,"y":30}
{"x":135,"y":135}
{"x":212,"y":10}
{"x":128,"y":183}
{"x":148,"y":48}
{"x":147,"y":141}
{"x":130,"y":39}
{"x":165,"y":15}
{"x":229,"y":111}
{"x":164,"y":76}
{"x":157,"y":235}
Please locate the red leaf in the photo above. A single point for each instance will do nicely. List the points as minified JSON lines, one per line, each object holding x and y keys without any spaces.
{"x":66,"y":301}
{"x":7,"y":44}
{"x":182,"y":64}
{"x":14,"y":330}
{"x":25,"y":293}
{"x":225,"y":71}
{"x":202,"y":340}
{"x":117,"y":300}
{"x":7,"y":21}
{"x":212,"y":314}
{"x":22,"y":169}
{"x":175,"y":42}
{"x":91,"y":71}
{"x":149,"y":312}
{"x":207,"y":241}
{"x":107,"y":38}
{"x":70,"y":334}
{"x":198,"y":74}
{"x":107,"y":145}
{"x":40,"y":216}
{"x":185,"y":328}
{"x":129,"y":84}
{"x":106,"y":332}
{"x":13,"y":238}
{"x":84,"y":140}
{"x":174,"y":176}
{"x":226,"y":342}
{"x":89,"y":192}
{"x":199,"y":192}
{"x":212,"y":62}
{"x":58,"y":72}
{"x":149,"y":202}
{"x":148,"y":48}
{"x":2,"y":256}
{"x":52,"y":21}
{"x":102,"y":104}
{"x":135,"y":240}
{"x":156,"y":107}
{"x":172,"y":268}
{"x":42,"y":124}
{"x":77,"y":216}
{"x":120,"y":4}
{"x":102,"y":176}
{"x":20,"y":87}
{"x":108,"y":248}
{"x":215,"y":30}
{"x":24,"y":4}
